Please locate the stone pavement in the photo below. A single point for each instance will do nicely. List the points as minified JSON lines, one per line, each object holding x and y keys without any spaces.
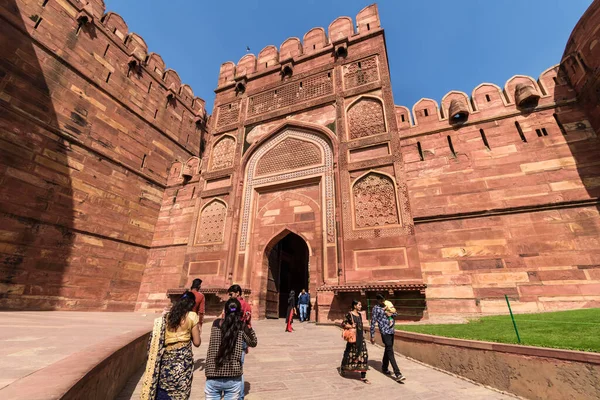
{"x":30,"y":341}
{"x":303,"y":365}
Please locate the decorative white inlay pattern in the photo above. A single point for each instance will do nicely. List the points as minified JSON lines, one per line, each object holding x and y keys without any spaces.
{"x":326,"y":169}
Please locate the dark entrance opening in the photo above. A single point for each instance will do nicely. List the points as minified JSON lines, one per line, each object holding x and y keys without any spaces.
{"x":288,"y":270}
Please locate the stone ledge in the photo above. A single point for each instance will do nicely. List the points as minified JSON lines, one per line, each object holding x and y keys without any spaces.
{"x":97,"y":372}
{"x":208,"y":290}
{"x":373,"y":287}
{"x":527,"y":371}
{"x":546,"y":352}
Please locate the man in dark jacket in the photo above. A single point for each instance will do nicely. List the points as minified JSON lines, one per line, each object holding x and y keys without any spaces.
{"x":303,"y":302}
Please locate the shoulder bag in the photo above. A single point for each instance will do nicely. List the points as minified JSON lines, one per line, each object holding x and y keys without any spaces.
{"x":349,"y":334}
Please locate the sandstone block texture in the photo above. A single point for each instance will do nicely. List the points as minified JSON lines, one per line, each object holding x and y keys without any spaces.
{"x":115,"y":186}
{"x":90,"y":124}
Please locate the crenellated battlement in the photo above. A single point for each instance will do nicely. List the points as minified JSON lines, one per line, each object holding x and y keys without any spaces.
{"x":152,"y":63}
{"x":110,"y":197}
{"x":99,"y":46}
{"x":315,"y":41}
{"x":134,"y":55}
{"x":487,"y":101}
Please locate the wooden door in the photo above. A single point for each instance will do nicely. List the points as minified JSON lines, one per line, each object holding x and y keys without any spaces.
{"x":273,"y":283}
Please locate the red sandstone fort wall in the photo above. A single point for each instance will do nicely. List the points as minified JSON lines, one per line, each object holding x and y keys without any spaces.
{"x":506,"y":203}
{"x":510,"y":208}
{"x":334,"y":83}
{"x":90,"y":124}
{"x":581,"y":62}
{"x":108,"y":199}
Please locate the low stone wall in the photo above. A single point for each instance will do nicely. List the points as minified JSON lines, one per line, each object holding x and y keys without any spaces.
{"x":530,"y":372}
{"x":98,"y":372}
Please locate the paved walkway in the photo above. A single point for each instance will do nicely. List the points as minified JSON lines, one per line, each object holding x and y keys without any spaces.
{"x":30,"y":341}
{"x":303,"y":365}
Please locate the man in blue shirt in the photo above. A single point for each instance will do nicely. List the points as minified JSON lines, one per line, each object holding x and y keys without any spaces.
{"x":303,"y":302}
{"x":387,"y":337}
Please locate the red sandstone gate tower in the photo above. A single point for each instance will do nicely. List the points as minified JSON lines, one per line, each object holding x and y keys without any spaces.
{"x":302,"y":184}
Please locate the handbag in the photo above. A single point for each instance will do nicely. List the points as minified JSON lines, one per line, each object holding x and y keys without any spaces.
{"x":349,"y":334}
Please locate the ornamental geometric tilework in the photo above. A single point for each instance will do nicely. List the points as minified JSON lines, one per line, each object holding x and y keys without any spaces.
{"x":374,"y":201}
{"x":212,"y":223}
{"x":289,"y":154}
{"x":223,"y":153}
{"x":365,"y":118}
{"x":325,"y":168}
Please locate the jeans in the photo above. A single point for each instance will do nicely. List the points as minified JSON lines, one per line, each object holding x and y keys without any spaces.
{"x":303,"y":308}
{"x":244,"y":347}
{"x":388,"y":355}
{"x":229,"y":388}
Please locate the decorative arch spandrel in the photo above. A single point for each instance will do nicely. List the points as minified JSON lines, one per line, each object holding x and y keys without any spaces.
{"x":324,"y":167}
{"x":290,"y":154}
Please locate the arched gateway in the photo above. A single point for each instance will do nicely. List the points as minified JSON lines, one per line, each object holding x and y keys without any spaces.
{"x":287,"y":217}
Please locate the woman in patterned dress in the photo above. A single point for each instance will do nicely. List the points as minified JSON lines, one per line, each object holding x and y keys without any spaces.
{"x":355,"y":357}
{"x":170,"y":363}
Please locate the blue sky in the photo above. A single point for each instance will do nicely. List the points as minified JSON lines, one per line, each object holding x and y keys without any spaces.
{"x":433,"y":46}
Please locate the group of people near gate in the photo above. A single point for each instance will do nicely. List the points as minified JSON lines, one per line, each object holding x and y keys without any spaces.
{"x":303,"y":303}
{"x":170,"y":366}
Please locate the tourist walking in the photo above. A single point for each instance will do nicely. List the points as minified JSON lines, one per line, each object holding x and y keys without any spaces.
{"x":291,"y":310}
{"x":235,"y":292}
{"x":170,"y":363}
{"x":356,"y":356}
{"x":224,"y":368}
{"x":303,"y":302}
{"x":200,"y":301}
{"x":379,"y":317}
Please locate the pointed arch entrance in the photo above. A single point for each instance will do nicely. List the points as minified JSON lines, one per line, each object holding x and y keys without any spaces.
{"x":287,"y":259}
{"x":288,"y":186}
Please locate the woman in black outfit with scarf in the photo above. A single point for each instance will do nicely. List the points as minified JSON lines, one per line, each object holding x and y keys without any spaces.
{"x":356,"y":357}
{"x":291,"y":310}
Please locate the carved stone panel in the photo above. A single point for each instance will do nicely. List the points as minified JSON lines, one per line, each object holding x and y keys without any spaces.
{"x":228,"y":114}
{"x":223,"y":154}
{"x":374,"y":201}
{"x":212,"y":223}
{"x":293,"y":93}
{"x":290,"y":154}
{"x":365,"y":118}
{"x":361,"y":72}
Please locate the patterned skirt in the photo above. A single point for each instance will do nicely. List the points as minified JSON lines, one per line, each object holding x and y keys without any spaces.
{"x":355,"y":359}
{"x":176,"y":371}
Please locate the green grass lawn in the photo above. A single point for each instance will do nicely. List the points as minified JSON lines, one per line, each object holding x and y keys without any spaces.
{"x":573,"y":330}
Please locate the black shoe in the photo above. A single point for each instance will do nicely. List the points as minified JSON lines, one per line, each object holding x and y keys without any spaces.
{"x":386,"y":373}
{"x":400,"y":378}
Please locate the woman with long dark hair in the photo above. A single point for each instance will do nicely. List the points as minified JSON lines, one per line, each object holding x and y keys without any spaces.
{"x":356,"y":357}
{"x":291,"y":310}
{"x":170,"y":365}
{"x":224,"y":368}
